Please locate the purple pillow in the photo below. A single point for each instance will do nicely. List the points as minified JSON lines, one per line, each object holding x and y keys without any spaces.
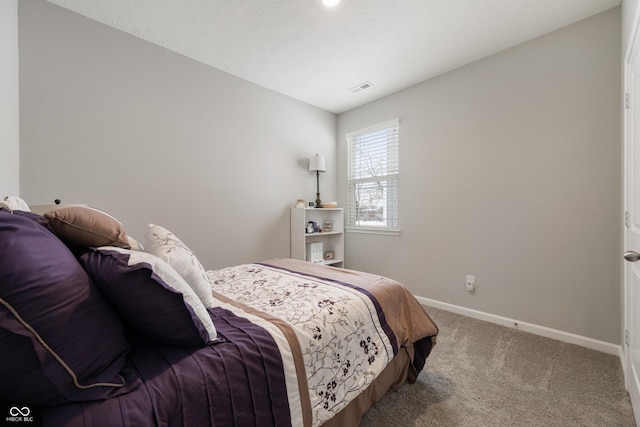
{"x":60,"y":338}
{"x":21,"y":373}
{"x":35,"y":217}
{"x":150,"y":295}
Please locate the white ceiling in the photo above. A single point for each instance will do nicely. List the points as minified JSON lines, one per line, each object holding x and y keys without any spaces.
{"x":317,"y":54}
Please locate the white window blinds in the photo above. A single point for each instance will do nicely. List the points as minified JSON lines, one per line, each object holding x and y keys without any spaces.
{"x":374,"y":166}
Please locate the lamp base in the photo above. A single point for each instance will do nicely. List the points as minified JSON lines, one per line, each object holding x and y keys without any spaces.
{"x":318,"y":202}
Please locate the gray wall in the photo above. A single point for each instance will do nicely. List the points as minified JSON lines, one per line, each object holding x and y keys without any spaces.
{"x":151,"y":136}
{"x":9,"y":100}
{"x":511,"y":171}
{"x":511,"y":167}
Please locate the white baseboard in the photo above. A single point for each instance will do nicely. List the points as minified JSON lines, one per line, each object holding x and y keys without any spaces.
{"x":567,"y":337}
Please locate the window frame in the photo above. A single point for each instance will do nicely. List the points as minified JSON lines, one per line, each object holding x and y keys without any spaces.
{"x":392,"y":181}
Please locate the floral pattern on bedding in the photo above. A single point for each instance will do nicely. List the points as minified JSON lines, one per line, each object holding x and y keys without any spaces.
{"x":343,"y":343}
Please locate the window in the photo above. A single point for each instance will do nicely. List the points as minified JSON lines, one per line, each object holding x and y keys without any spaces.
{"x":373,"y":164}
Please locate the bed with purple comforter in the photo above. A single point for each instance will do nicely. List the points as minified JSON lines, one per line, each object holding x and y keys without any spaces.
{"x":95,"y":334}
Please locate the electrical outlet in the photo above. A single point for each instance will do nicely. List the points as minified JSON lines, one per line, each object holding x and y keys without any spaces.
{"x":471,"y":282}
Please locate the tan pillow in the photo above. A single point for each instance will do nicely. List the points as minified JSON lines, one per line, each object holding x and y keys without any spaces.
{"x":85,"y":226}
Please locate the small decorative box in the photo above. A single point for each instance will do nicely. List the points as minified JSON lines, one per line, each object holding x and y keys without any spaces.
{"x":314,"y":252}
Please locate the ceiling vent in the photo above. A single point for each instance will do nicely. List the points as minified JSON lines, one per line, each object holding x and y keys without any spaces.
{"x":361,"y":86}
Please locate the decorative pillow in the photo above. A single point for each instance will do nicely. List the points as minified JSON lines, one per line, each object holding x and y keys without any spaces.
{"x":23,"y":379}
{"x":135,"y":245}
{"x":87,"y":227}
{"x":166,"y":246}
{"x":34,"y":217}
{"x":151,"y":296}
{"x":60,"y":338}
{"x":13,"y":203}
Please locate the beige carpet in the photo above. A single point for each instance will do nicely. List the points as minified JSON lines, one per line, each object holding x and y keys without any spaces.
{"x":481,"y":374}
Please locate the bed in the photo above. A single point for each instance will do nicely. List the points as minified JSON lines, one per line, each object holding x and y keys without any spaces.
{"x":106,"y":331}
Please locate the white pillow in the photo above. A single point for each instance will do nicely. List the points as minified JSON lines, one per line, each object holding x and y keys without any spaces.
{"x":14,"y":203}
{"x":135,"y":245}
{"x":165,"y":245}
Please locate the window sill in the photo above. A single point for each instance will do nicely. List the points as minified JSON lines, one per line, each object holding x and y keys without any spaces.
{"x":365,"y":230}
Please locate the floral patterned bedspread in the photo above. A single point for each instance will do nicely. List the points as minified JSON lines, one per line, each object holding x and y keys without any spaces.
{"x":342,"y":331}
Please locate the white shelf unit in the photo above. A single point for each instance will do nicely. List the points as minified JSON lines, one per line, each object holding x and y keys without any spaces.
{"x":331,"y":240}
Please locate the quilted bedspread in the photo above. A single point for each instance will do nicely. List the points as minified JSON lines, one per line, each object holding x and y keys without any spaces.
{"x":297,"y":345}
{"x":339,"y":323}
{"x":235,"y":381}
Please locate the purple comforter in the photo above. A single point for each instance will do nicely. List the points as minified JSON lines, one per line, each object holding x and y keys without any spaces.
{"x":230,"y":382}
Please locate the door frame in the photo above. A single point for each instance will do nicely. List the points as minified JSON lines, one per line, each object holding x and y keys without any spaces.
{"x":627,"y":132}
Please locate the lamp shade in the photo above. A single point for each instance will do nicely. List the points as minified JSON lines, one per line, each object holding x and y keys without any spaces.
{"x":317,"y":164}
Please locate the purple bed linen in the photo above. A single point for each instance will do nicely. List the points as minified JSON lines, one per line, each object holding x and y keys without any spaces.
{"x":236,"y":380}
